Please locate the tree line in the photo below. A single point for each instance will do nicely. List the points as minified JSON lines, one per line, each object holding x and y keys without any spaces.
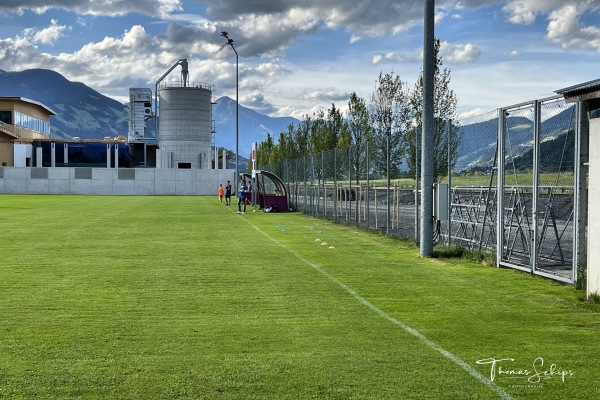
{"x":390,"y":122}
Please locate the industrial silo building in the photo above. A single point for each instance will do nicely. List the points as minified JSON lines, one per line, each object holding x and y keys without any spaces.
{"x":185,"y":125}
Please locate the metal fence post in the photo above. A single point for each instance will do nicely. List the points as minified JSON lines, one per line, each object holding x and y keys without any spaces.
{"x":449,"y":127}
{"x":580,"y":185}
{"x":312,"y":185}
{"x":350,"y":181}
{"x":536,"y":184}
{"x":335,"y":188}
{"x":323,"y":180}
{"x":367,"y":203}
{"x":304,"y":179}
{"x":500,"y":187}
{"x":417,"y":169}
{"x":387,"y":225}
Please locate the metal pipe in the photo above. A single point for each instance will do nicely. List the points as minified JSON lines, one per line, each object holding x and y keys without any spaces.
{"x":368,"y":206}
{"x":500,"y":187}
{"x":387,"y":225}
{"x":536,"y":182}
{"x":417,"y":165}
{"x":449,"y":126}
{"x":577,"y":191}
{"x":184,"y":74}
{"x":336,"y":190}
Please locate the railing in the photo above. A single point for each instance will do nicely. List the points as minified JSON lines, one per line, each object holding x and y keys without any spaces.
{"x":11,"y":130}
{"x":196,"y":85}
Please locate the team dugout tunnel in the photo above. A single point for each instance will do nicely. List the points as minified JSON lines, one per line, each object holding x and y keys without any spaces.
{"x":271,"y":190}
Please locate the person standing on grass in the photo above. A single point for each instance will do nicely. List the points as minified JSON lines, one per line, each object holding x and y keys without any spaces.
{"x":242,"y":197}
{"x":249,"y":194}
{"x":221,"y":192}
{"x":228,"y":193}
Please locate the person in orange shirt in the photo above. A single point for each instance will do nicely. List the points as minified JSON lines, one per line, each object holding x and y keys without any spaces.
{"x":221,"y":192}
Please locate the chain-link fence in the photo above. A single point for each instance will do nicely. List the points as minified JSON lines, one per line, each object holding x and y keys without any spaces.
{"x":343,"y":185}
{"x":537,"y":142}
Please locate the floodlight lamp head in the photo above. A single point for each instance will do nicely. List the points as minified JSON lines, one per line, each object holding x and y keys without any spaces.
{"x":225,"y":34}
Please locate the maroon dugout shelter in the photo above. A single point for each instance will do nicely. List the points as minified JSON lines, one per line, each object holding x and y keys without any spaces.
{"x":269,"y":191}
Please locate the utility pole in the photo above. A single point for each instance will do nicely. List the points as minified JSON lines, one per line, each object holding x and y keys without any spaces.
{"x":428,"y":129}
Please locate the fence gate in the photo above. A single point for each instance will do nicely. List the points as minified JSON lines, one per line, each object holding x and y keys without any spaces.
{"x":536,"y":187}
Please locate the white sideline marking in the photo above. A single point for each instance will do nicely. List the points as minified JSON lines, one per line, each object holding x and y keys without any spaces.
{"x":472,"y":371}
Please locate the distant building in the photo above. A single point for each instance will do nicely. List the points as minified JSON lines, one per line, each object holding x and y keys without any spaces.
{"x":185,"y":126}
{"x":21,"y":122}
{"x":140,"y":110}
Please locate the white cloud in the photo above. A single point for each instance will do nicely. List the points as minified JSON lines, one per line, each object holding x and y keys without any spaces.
{"x":270,"y":35}
{"x":368,"y":17}
{"x":470,"y":114}
{"x":459,"y":53}
{"x":327,"y":95}
{"x":564,"y":26}
{"x":291,"y":111}
{"x":390,"y":56}
{"x":272,"y":69}
{"x":355,"y":38}
{"x":16,"y":52}
{"x":50,"y":34}
{"x":110,"y":66}
{"x":265,"y":30}
{"x":95,"y":7}
{"x":565,"y":29}
{"x":526,"y":11}
{"x":257,"y":102}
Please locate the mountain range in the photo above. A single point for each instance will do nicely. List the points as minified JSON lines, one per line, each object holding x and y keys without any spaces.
{"x":80,"y":110}
{"x":85,"y":113}
{"x":478,"y":142}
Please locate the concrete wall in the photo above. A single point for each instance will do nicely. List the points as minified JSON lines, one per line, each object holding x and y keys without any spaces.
{"x":104,"y":181}
{"x":6,"y":153}
{"x":593,"y":259}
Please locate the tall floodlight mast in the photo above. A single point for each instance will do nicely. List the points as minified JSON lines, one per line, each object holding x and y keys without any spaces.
{"x":237,"y":102}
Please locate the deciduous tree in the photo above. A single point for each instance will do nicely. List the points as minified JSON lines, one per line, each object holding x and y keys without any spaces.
{"x":444,"y":110}
{"x":390,"y":114}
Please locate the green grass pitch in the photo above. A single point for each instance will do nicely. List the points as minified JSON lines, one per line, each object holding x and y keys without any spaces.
{"x":180,"y":298}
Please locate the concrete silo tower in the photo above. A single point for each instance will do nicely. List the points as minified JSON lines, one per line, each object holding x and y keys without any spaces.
{"x":185,"y":122}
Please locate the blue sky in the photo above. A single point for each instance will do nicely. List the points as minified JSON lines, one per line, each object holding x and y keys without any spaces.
{"x":298,"y":56}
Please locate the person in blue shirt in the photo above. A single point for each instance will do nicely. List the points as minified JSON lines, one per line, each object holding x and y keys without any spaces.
{"x":242,"y":197}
